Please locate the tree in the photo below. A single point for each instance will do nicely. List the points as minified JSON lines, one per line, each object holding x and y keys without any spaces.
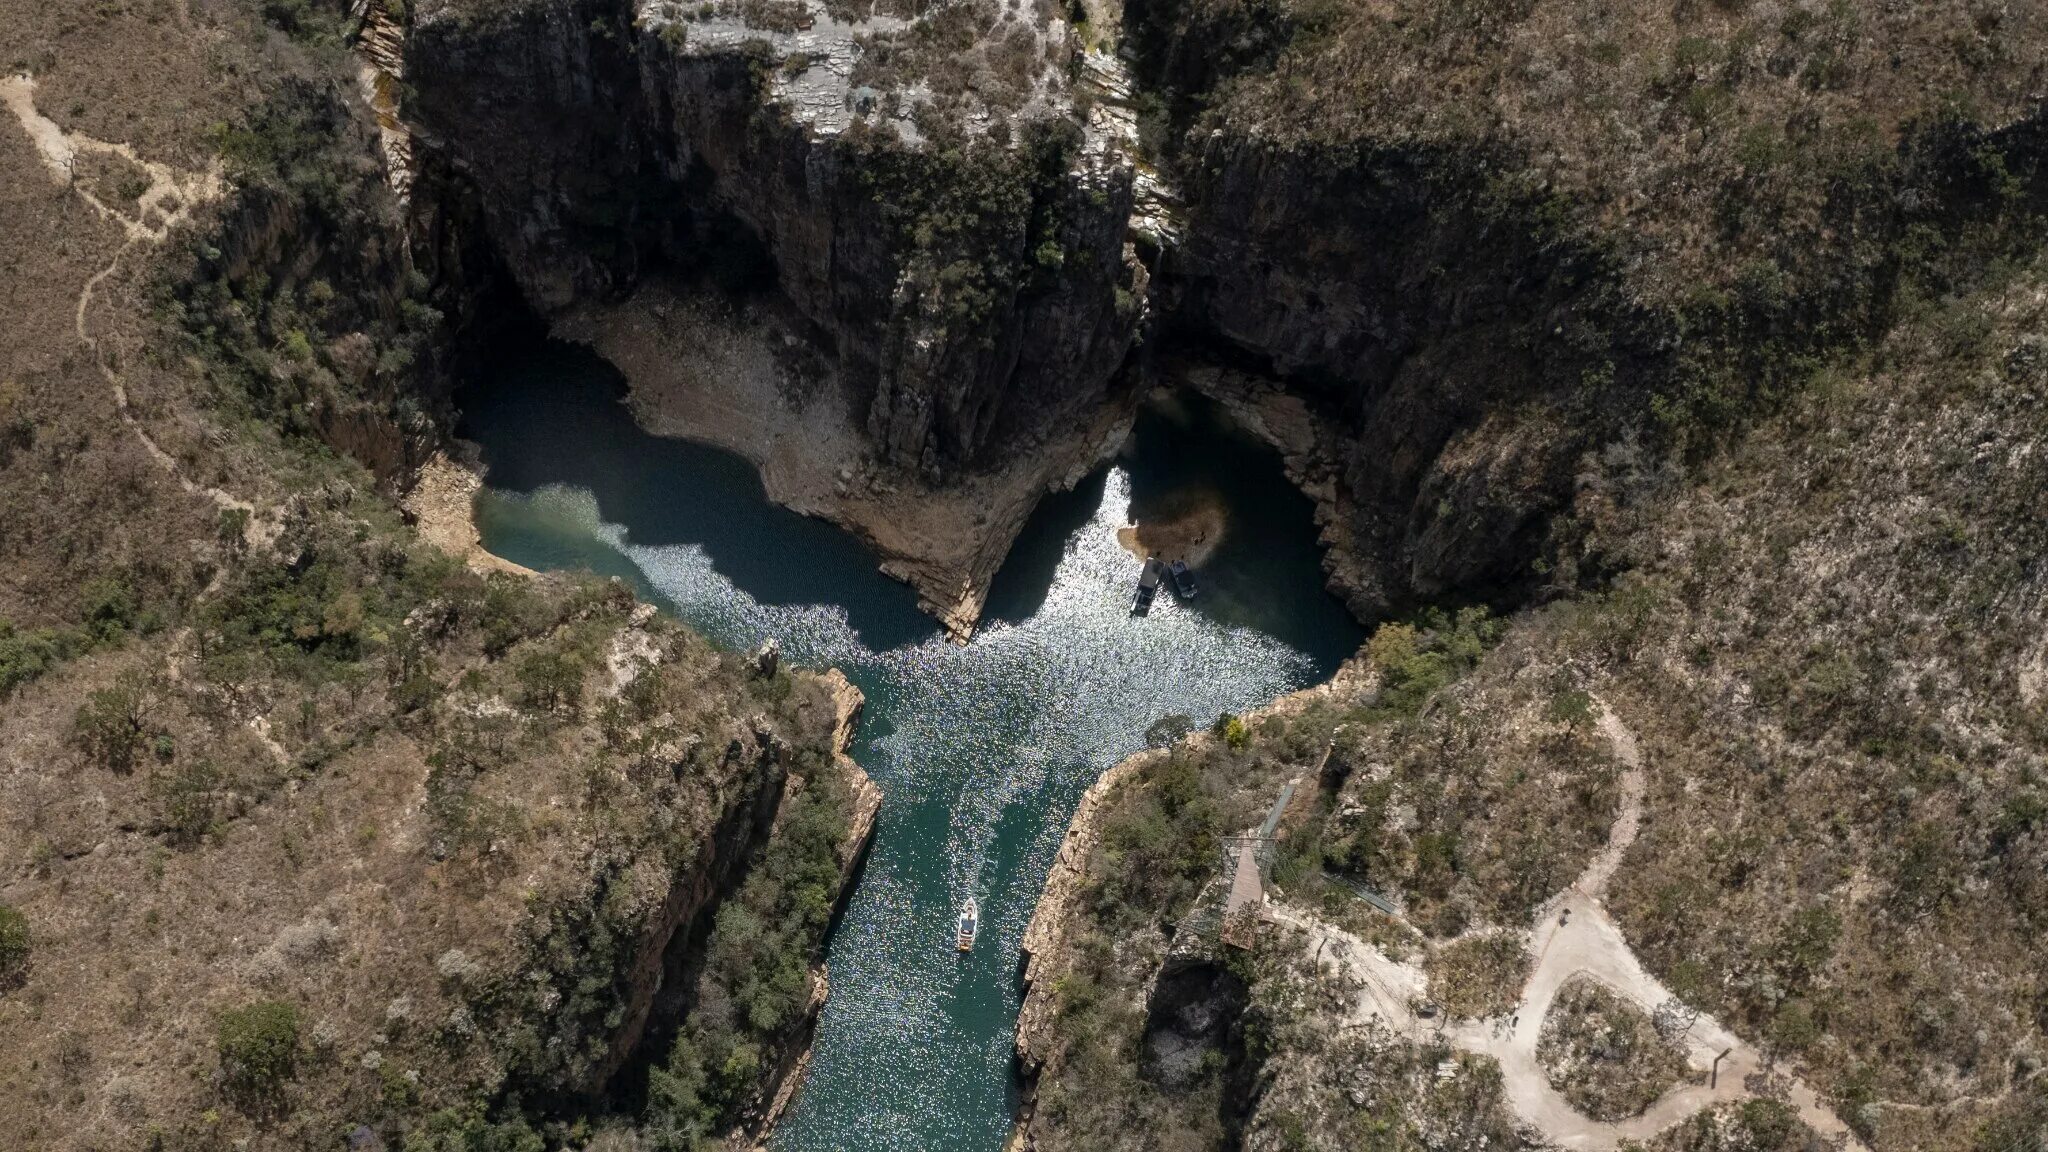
{"x":259,"y":1049}
{"x":551,"y":680}
{"x":1233,"y":731}
{"x":1167,"y":730}
{"x":108,"y":727}
{"x":14,"y":945}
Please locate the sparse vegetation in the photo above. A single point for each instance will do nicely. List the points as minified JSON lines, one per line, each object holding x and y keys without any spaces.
{"x":109,"y":728}
{"x":756,"y":983}
{"x":1603,"y":1054}
{"x":1156,"y":867}
{"x":972,"y":215}
{"x":292,"y":354}
{"x":1479,"y":975}
{"x":15,"y":945}
{"x":964,"y":59}
{"x":259,"y":1050}
{"x":24,"y":656}
{"x":1702,"y":340}
{"x":1761,"y":1125}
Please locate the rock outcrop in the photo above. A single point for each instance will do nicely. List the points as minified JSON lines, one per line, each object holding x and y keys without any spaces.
{"x":972,"y":300}
{"x":1047,"y":944}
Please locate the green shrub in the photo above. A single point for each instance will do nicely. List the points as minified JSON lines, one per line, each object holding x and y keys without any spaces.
{"x":468,"y":1129}
{"x":1232,"y":731}
{"x":14,"y":945}
{"x":551,"y":680}
{"x":308,"y":22}
{"x":1414,"y":662}
{"x":1573,"y":707}
{"x":108,"y":728}
{"x":509,"y":612}
{"x":187,"y":797}
{"x":25,"y":656}
{"x":259,"y":1049}
{"x":111,"y":608}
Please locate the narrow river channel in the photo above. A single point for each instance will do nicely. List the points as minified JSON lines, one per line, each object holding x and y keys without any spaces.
{"x":983,"y":750}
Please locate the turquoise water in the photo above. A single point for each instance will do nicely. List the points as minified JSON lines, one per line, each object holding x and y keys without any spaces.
{"x":981,"y":750}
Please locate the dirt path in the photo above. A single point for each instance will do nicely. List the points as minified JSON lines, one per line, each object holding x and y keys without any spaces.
{"x":1574,"y":936}
{"x":168,"y":203}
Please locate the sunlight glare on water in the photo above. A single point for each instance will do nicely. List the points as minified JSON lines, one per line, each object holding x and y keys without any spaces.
{"x":981,"y":750}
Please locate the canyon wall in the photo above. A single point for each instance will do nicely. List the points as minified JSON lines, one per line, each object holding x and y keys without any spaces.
{"x":602,"y":148}
{"x":1466,"y":314}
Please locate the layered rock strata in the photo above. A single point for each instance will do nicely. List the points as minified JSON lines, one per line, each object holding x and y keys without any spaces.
{"x":963,"y":303}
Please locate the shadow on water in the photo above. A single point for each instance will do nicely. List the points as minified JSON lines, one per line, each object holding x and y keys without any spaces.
{"x":1266,"y":571}
{"x":981,"y":750}
{"x":1021,"y":585}
{"x":553,"y":415}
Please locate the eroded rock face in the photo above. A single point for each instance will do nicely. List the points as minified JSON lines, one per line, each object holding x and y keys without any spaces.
{"x":602,"y":147}
{"x":976,"y":290}
{"x":1364,"y":286}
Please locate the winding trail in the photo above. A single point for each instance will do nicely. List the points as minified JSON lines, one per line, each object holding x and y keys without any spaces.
{"x":1573,"y":937}
{"x":167,"y":203}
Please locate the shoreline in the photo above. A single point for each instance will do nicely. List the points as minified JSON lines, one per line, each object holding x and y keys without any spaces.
{"x":442,"y":506}
{"x":1043,"y":955}
{"x":738,"y":383}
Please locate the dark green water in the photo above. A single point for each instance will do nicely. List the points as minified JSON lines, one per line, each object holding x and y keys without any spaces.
{"x":981,"y":750}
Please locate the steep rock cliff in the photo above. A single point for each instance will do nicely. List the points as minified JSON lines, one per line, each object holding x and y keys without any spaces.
{"x":602,"y":148}
{"x":972,"y":297}
{"x":1482,"y":240}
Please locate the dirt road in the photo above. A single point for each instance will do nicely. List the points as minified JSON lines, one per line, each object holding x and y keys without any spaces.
{"x":1573,"y":937}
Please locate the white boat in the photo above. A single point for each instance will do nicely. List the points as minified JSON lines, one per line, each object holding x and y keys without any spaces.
{"x":970,"y":919}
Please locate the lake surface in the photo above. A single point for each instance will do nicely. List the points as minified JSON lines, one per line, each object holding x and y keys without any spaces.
{"x":982,"y":750}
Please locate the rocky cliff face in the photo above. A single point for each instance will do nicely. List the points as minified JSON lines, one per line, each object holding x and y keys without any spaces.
{"x":975,"y":298}
{"x":951,"y":302}
{"x":1481,"y":241}
{"x":604,"y":143}
{"x":1372,"y":288}
{"x":1468,"y":288}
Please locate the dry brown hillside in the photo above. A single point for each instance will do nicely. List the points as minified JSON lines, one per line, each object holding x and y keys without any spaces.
{"x":1827,"y":647}
{"x":306,"y":829}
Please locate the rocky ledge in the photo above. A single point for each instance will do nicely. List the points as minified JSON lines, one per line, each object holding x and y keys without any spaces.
{"x":1046,"y":948}
{"x":935,"y":293}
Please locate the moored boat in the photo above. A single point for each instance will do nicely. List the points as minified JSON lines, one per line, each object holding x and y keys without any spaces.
{"x":1148,"y":587}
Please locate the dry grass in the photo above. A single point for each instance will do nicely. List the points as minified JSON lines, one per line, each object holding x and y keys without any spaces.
{"x":407,"y":881}
{"x":1847,"y":841}
{"x":1603,"y":1053}
{"x":979,"y":57}
{"x":1829,"y":645}
{"x":1485,"y":804}
{"x":1668,"y":121}
{"x":291,"y":825}
{"x":1479,"y":975}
